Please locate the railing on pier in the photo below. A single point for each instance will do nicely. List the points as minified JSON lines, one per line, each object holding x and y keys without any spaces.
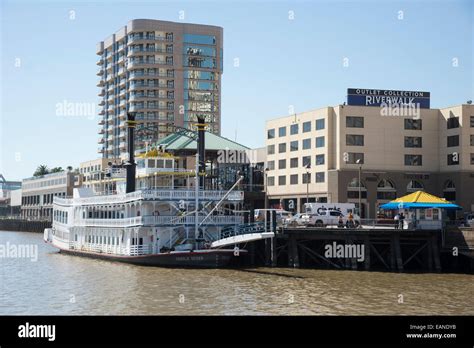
{"x":408,"y":224}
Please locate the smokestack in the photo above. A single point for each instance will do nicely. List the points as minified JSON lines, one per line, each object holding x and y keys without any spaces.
{"x":130,"y":165}
{"x":201,"y":148}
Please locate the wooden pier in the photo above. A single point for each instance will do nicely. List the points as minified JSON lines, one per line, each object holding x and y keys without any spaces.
{"x":383,"y":249}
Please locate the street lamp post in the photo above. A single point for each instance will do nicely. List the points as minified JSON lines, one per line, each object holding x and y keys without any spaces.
{"x":359,"y":162}
{"x":266,"y":188}
{"x":308,"y":167}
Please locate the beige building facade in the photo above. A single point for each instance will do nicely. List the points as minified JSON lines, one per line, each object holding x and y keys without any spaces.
{"x":37,"y":193}
{"x":431,"y":151}
{"x":167,"y":73}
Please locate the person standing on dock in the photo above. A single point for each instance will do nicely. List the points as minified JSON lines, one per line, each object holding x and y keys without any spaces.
{"x":401,"y":219}
{"x":396,"y":218}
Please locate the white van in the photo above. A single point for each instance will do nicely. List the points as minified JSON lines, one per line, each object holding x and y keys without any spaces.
{"x":320,"y":208}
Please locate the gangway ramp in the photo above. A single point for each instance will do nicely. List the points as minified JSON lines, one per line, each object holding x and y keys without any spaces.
{"x":243,"y":234}
{"x":242,"y":238}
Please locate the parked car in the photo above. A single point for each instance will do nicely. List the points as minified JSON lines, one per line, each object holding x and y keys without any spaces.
{"x":331,"y":218}
{"x":294,"y":220}
{"x":299,"y":220}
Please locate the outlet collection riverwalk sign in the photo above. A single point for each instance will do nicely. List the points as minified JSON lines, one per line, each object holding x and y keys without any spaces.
{"x":383,"y":97}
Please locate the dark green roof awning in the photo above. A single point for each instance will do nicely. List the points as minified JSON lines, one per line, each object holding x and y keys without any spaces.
{"x":187,"y":140}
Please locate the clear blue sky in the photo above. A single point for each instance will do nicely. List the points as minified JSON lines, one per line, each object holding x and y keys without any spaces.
{"x":283,"y":62}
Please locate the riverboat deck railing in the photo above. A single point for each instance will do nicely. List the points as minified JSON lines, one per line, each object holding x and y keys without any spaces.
{"x":151,"y":194}
{"x":133,"y":250}
{"x":161,"y":220}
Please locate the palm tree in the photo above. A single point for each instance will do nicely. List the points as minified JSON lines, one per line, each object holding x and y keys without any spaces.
{"x":41,"y":170}
{"x":56,"y":170}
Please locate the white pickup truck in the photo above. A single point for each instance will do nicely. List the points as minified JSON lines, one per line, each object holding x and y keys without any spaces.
{"x":331,"y":218}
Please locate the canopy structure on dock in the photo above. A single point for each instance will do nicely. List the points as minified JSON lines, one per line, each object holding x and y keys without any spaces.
{"x":419,"y":200}
{"x":425,"y":211}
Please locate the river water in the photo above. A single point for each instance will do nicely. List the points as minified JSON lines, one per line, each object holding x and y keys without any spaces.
{"x":50,"y":283}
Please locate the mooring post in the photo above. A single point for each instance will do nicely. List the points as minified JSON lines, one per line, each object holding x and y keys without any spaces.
{"x":367,"y":253}
{"x":434,"y":245}
{"x":398,"y":252}
{"x":252,"y":253}
{"x":353,"y":259}
{"x":273,"y":251}
{"x":392,"y":253}
{"x":430,"y":254}
{"x":267,"y":253}
{"x":293,"y":260}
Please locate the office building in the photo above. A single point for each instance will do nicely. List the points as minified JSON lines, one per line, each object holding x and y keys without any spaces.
{"x":317,"y":155}
{"x":168,"y":73}
{"x":38,"y":193}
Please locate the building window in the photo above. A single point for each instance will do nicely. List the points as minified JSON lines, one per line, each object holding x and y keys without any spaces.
{"x":472,"y":158}
{"x":453,"y":122}
{"x":319,"y":160}
{"x":270,"y":149}
{"x":306,"y":160}
{"x":294,"y":145}
{"x":294,"y":162}
{"x":319,"y":141}
{"x":412,"y":124}
{"x":294,"y":179}
{"x":472,"y":121}
{"x":354,"y":140}
{"x":453,"y":140}
{"x":413,"y":142}
{"x":282,"y":148}
{"x":320,"y":124}
{"x":414,"y":185}
{"x":271,"y":165}
{"x":306,"y":127}
{"x":449,"y":191}
{"x":354,"y":122}
{"x":282,"y":164}
{"x":386,"y":190}
{"x":453,"y":159}
{"x":306,"y":144}
{"x":282,"y":131}
{"x":305,"y":178}
{"x":271,"y":134}
{"x":472,"y":140}
{"x":413,"y":160}
{"x":282,"y":180}
{"x":294,"y":129}
{"x":320,"y":176}
{"x":271,"y":181}
{"x":353,"y":157}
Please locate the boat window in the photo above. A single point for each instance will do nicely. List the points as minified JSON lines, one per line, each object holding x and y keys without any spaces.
{"x":141,"y":163}
{"x":159,"y":163}
{"x":169,"y":164}
{"x":151,"y":163}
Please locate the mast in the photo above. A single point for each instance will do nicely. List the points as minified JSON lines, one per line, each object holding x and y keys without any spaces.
{"x":196,"y":199}
{"x":130,"y":165}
